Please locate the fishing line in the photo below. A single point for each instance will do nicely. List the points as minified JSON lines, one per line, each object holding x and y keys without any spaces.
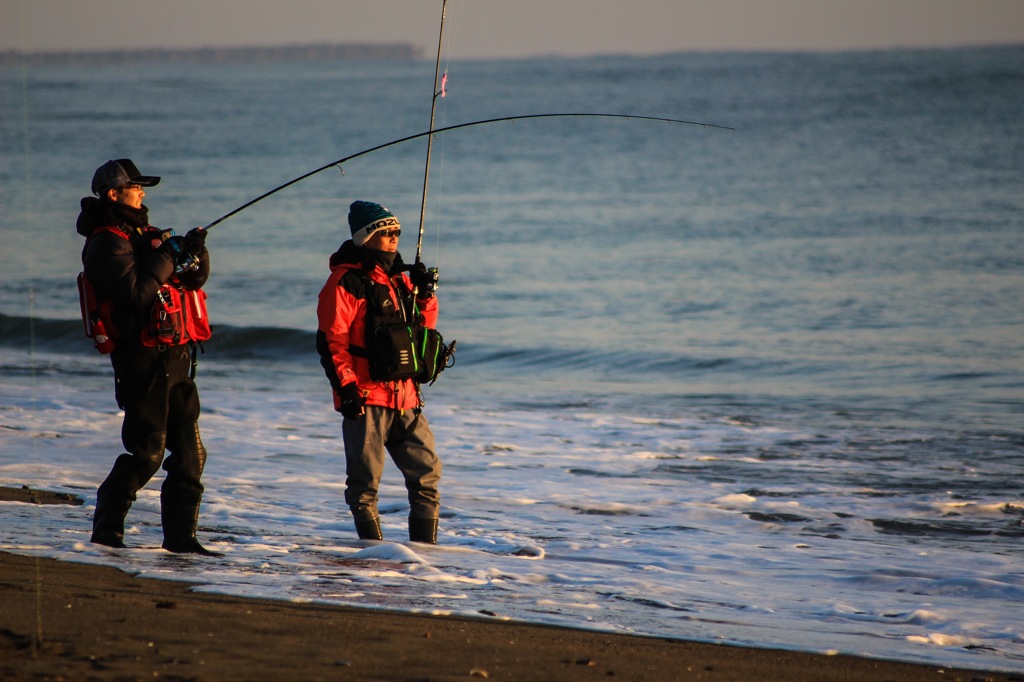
{"x":458,"y":126}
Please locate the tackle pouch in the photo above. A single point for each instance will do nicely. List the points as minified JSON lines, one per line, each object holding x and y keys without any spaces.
{"x":178,"y":317}
{"x":166,"y":320}
{"x":392,"y":353}
{"x":96,"y":316}
{"x":196,"y":319}
{"x":434,"y":355}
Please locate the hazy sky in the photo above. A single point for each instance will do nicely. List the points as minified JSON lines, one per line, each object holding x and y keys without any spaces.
{"x":504,"y":28}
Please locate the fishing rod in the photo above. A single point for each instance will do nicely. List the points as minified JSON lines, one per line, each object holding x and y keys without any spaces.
{"x":430,"y":138}
{"x":458,"y":126}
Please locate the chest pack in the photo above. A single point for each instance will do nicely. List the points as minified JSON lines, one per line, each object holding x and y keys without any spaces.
{"x":178,"y":316}
{"x":396,"y":345}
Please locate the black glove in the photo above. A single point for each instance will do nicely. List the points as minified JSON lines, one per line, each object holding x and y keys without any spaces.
{"x":353,"y":402}
{"x":187,"y":250}
{"x":173,"y":245}
{"x":423,"y":279}
{"x":195,"y":240}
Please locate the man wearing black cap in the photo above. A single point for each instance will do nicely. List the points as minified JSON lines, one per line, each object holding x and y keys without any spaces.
{"x":364,"y":311}
{"x":143,"y":274}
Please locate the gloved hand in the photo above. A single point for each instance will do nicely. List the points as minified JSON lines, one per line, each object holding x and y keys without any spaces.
{"x":423,"y":279}
{"x":172,"y":245}
{"x":186,"y":250}
{"x":353,"y":403}
{"x":195,"y":240}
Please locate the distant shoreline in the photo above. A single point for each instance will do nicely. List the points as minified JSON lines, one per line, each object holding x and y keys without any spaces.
{"x":219,"y":55}
{"x":353,"y":52}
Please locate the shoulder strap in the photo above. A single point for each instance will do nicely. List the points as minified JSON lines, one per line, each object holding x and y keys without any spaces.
{"x":377,"y":295}
{"x":111,"y":229}
{"x":106,"y":228}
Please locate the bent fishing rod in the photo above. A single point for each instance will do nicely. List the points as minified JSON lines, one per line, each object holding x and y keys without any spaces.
{"x":458,"y":126}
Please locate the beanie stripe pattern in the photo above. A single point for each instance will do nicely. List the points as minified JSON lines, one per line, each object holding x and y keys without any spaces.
{"x":365,"y":218}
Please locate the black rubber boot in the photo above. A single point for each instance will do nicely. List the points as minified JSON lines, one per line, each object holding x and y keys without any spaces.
{"x":179,"y":521}
{"x":369,"y":529}
{"x":423,"y":530}
{"x":113,"y":500}
{"x":108,"y":522}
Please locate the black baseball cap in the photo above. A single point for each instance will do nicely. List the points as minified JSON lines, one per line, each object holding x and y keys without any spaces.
{"x":114,"y":174}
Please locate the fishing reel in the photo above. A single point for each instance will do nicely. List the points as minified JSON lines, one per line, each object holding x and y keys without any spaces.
{"x":429,"y":285}
{"x":180,"y":248}
{"x":186,"y":262}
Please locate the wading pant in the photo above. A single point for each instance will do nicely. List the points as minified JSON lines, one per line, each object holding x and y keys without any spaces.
{"x":161,"y":411}
{"x":406,"y":436}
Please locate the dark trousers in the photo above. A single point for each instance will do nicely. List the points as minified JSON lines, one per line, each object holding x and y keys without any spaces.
{"x":406,"y":436}
{"x":161,"y":411}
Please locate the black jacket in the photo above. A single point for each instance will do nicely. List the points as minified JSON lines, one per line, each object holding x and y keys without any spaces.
{"x":129,"y":272}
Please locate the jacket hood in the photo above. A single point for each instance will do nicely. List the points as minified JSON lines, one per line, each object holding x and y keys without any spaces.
{"x":102,"y":213}
{"x":347,"y":254}
{"x":94,"y":213}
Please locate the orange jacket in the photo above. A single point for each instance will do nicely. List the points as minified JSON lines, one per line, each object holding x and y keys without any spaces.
{"x":341,"y":319}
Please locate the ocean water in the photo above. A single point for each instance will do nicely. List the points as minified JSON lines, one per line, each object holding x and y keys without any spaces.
{"x":761,"y":387}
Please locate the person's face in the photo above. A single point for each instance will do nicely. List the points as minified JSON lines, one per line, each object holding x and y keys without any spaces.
{"x":129,"y":195}
{"x":384,"y":240}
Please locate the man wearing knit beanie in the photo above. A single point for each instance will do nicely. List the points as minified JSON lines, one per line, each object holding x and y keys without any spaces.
{"x":365,"y":312}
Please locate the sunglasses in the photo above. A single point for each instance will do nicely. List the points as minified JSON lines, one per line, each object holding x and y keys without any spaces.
{"x":389,"y":233}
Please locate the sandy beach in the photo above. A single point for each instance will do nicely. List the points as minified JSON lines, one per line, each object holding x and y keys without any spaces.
{"x":70,"y":621}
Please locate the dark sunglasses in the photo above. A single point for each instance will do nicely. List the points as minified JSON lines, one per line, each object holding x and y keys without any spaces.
{"x":389,"y":233}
